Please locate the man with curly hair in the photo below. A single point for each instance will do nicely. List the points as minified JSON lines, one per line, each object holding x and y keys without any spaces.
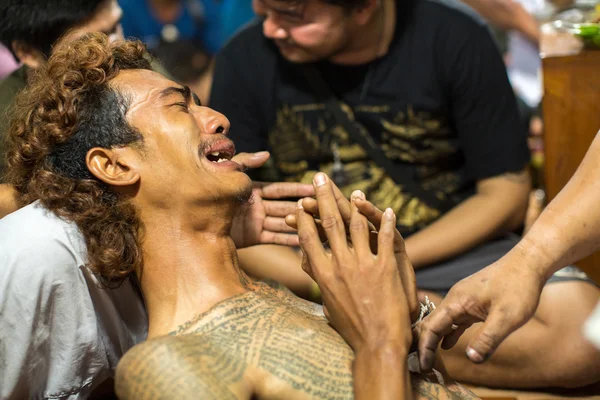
{"x":62,"y":332}
{"x":147,"y":175}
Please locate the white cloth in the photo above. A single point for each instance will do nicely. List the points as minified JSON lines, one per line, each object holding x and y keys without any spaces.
{"x":591,"y":328}
{"x":524,"y":69}
{"x":61,"y":334}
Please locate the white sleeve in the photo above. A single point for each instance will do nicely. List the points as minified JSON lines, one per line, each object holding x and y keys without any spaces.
{"x":49,"y":344}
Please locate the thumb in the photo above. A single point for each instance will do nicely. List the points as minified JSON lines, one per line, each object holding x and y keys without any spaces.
{"x":252,"y":160}
{"x":497,"y":326}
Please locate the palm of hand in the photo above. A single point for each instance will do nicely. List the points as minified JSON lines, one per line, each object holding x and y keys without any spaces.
{"x":248,"y":226}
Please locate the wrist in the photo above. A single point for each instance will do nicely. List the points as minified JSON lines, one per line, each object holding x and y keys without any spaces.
{"x":534,"y":257}
{"x":392,"y":352}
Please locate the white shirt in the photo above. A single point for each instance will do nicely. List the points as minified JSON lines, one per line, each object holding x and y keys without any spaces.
{"x":61,"y":334}
{"x":525,"y":66}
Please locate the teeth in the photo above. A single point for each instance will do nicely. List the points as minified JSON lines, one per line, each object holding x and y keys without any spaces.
{"x":222,"y":160}
{"x":215,"y":153}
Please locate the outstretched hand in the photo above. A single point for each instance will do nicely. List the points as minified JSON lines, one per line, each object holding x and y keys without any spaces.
{"x":264,"y":221}
{"x":374,"y":217}
{"x":362,"y":291}
{"x":504,"y":295}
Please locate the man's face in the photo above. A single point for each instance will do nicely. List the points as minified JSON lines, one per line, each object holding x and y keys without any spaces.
{"x":308,"y":31}
{"x":185,"y":155}
{"x":106,"y":19}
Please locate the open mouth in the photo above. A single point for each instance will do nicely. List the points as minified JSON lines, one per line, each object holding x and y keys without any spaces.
{"x":219,"y":156}
{"x":220,"y":152}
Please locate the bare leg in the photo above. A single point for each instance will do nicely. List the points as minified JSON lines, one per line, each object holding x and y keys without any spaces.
{"x":548,"y":351}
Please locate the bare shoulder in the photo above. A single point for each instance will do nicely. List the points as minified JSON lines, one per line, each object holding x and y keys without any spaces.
{"x":170,"y":368}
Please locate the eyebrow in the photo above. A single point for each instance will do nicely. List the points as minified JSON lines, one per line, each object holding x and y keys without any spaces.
{"x":184,"y":91}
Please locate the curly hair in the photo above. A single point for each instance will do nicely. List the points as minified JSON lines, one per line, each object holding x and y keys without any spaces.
{"x":67,"y":109}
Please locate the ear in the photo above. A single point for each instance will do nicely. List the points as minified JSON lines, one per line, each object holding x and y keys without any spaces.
{"x":28,"y":55}
{"x":113,"y":166}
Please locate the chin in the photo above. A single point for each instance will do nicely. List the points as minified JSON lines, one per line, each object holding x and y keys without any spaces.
{"x":244,"y":196}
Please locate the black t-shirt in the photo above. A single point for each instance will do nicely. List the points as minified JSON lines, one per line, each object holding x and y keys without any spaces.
{"x":439,"y":102}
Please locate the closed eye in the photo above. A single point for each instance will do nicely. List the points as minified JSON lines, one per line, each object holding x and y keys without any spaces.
{"x":183,"y":105}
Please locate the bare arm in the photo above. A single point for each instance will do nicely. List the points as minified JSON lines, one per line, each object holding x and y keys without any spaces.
{"x":506,"y":294}
{"x":569,"y":228}
{"x":362,"y":293}
{"x":8,"y":201}
{"x":382,"y":373}
{"x":508,"y":15}
{"x":499,"y":205}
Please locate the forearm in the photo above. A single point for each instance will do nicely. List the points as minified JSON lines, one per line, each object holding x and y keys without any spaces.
{"x":509,"y":15}
{"x":569,"y":228}
{"x":382,"y":373}
{"x":8,"y":201}
{"x":472,"y":222}
{"x":279,"y":263}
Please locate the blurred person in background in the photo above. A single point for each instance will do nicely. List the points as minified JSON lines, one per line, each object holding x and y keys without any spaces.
{"x":7,"y":62}
{"x":185,"y":34}
{"x":30,"y":28}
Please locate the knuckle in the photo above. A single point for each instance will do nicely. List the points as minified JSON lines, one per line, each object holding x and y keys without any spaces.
{"x":331,"y":222}
{"x":486,"y":341}
{"x":304,"y":238}
{"x":357,"y":226}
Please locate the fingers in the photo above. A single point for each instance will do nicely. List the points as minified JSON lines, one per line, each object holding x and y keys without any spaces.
{"x":331,"y":220}
{"x":280,"y":209}
{"x":252,"y":160}
{"x":284,"y":239}
{"x":277,"y":225}
{"x":359,"y":229}
{"x":280,"y":190}
{"x":435,"y":327}
{"x":497,"y":326}
{"x":309,"y":240}
{"x":387,"y":229}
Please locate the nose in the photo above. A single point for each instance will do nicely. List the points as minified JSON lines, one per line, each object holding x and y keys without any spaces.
{"x":213,"y":122}
{"x":273,"y":30}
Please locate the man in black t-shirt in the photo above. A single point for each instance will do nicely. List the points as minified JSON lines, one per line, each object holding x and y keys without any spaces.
{"x":425,"y":80}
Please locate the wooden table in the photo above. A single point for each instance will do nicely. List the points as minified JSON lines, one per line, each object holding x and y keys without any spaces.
{"x":571,"y":110}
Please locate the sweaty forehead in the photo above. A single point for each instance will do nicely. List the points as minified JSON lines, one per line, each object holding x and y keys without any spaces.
{"x":142,"y":86}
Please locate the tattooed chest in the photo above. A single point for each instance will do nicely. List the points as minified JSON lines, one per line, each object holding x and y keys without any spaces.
{"x":294,"y":354}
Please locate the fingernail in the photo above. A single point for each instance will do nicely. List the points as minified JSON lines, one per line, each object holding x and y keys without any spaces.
{"x":260,"y":154}
{"x":300,"y":204}
{"x":320,"y":179}
{"x":389,"y":213}
{"x":474,"y":355}
{"x":361,"y":195}
{"x":355,"y":195}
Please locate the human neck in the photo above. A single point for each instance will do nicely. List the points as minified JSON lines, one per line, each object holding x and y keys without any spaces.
{"x":374,"y":40}
{"x":189,"y":265}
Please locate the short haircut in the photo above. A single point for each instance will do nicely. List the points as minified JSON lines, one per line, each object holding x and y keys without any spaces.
{"x":68,"y":108}
{"x":40,"y":23}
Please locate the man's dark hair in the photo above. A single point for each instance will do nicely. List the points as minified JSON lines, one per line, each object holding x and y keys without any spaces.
{"x":40,"y":23}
